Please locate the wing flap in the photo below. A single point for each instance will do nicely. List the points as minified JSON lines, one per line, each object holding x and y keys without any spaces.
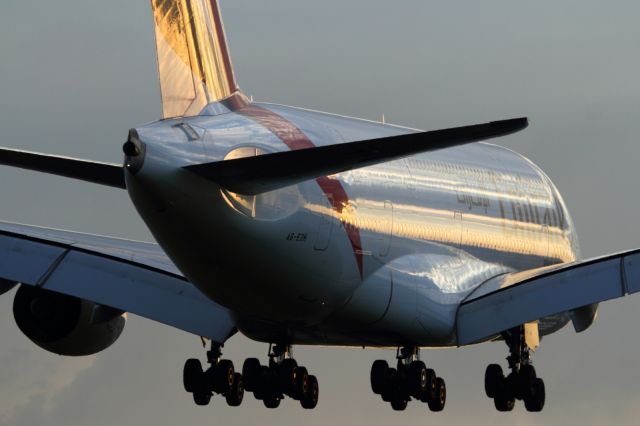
{"x":268,"y":172}
{"x":510,"y":300}
{"x":110,"y":272}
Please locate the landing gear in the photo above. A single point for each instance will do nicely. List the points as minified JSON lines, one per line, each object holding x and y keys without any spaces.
{"x":219,"y":378}
{"x":282,"y":377}
{"x":522,"y":383}
{"x":411,"y":379}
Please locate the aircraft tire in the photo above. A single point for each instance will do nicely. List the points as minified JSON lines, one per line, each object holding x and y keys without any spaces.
{"x":287,"y":371}
{"x":251,"y":374}
{"x":223,"y":377}
{"x":438,"y":403}
{"x":310,"y":400}
{"x":202,"y":398}
{"x":379,"y":373}
{"x":236,"y":393}
{"x":398,"y":403}
{"x":493,"y":375}
{"x":417,"y":379}
{"x":191,"y":374}
{"x":302,"y":383}
{"x":271,"y":402}
{"x":535,"y":401}
{"x":526,"y":381}
{"x":504,"y":399}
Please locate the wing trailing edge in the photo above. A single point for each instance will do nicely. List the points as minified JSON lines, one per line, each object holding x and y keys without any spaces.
{"x":268,"y":172}
{"x":514,"y":299}
{"x":89,"y":171}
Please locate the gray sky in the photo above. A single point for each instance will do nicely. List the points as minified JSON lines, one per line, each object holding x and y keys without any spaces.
{"x":75,"y":75}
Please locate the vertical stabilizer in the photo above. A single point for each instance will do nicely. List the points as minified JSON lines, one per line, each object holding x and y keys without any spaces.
{"x":193,"y":58}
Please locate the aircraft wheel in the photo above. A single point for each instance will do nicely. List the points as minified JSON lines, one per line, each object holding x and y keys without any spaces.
{"x":202,"y":398}
{"x":389,"y":391}
{"x":526,"y":381}
{"x":192,"y":374}
{"x":438,"y":402}
{"x":504,"y":399}
{"x":302,"y":383}
{"x":251,"y":374}
{"x":417,"y":379}
{"x":223,"y":376}
{"x":236,"y":393}
{"x":271,"y":402}
{"x":262,"y":384}
{"x":493,"y":376}
{"x":398,"y":403}
{"x":379,"y":372}
{"x":287,"y":372}
{"x":535,"y":401}
{"x":310,"y":400}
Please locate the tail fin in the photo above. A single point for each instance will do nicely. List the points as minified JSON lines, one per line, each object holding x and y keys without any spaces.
{"x":193,"y":58}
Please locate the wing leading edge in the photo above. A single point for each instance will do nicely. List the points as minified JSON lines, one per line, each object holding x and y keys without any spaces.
{"x":514,"y":299}
{"x":130,"y":276}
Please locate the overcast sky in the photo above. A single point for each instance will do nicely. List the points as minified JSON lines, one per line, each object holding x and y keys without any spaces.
{"x":75,"y":75}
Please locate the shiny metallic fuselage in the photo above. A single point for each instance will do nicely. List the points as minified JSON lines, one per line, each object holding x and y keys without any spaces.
{"x":389,"y":264}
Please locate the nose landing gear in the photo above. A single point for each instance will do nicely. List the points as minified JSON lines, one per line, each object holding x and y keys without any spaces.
{"x":522,"y":383}
{"x":410,"y":379}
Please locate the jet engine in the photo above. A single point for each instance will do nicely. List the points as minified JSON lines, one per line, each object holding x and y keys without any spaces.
{"x":66,"y":325}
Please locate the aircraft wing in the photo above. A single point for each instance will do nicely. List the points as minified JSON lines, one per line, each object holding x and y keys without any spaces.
{"x":509,"y":300}
{"x":126,"y":275}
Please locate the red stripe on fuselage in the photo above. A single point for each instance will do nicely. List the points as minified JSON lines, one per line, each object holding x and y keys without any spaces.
{"x":295,"y":139}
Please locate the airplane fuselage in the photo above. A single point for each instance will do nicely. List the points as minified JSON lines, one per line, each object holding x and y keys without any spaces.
{"x":343,"y":259}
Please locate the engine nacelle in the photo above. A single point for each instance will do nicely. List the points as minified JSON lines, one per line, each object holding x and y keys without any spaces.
{"x":66,"y":325}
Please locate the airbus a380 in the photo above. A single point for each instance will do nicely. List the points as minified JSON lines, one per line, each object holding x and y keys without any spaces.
{"x":297,"y":227}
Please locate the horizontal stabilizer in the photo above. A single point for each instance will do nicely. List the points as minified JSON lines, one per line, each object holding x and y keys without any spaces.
{"x":268,"y":172}
{"x":514,"y":299}
{"x":90,"y":171}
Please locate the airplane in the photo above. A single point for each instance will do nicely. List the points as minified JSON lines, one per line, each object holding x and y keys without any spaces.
{"x":297,"y":227}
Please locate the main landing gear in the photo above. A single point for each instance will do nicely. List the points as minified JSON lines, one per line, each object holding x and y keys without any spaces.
{"x":282,"y":377}
{"x":219,"y":378}
{"x":410,"y":379}
{"x":522,"y":383}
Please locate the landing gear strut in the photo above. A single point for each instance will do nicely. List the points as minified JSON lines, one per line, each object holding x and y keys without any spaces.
{"x":219,"y":378}
{"x":522,"y":383}
{"x":282,"y":377}
{"x":410,"y":379}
